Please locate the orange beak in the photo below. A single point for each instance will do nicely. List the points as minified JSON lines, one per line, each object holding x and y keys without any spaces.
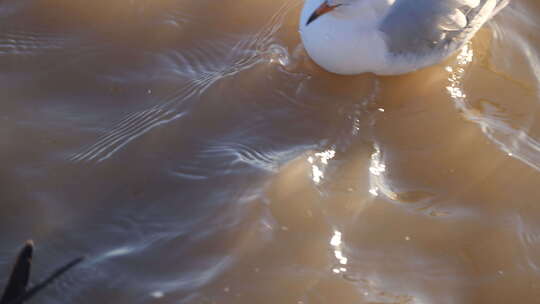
{"x":321,"y":10}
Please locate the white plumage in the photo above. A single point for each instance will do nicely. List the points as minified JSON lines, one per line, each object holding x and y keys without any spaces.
{"x":390,"y":36}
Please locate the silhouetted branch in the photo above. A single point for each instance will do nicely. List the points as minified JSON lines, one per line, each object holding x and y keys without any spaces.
{"x":20,"y":275}
{"x":34,"y":290}
{"x":15,"y":292}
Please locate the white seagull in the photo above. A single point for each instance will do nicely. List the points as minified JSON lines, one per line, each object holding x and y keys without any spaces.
{"x":389,"y":37}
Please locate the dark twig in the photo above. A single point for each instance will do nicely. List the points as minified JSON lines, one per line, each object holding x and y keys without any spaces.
{"x":15,"y":292}
{"x":20,"y":275}
{"x":38,"y":287}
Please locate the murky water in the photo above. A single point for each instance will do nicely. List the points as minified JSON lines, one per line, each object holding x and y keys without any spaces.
{"x":194,"y":154}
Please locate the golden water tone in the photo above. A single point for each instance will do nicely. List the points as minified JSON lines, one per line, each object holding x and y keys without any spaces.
{"x":195,"y":154}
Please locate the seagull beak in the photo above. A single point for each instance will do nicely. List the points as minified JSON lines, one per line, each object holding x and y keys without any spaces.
{"x":321,"y":10}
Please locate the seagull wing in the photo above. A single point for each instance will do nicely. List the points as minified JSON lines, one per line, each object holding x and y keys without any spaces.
{"x":423,"y":26}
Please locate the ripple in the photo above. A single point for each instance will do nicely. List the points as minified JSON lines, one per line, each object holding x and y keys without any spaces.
{"x":513,"y":137}
{"x":45,"y":51}
{"x":24,"y":43}
{"x":244,"y":153}
{"x":132,"y":127}
{"x":205,"y":65}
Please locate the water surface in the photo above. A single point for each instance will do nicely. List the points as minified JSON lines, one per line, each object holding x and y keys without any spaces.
{"x":194,"y":154}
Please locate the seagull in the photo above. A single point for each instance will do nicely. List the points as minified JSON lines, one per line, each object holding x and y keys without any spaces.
{"x":389,"y":37}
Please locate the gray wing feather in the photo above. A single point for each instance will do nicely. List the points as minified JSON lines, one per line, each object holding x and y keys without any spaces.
{"x":423,"y":26}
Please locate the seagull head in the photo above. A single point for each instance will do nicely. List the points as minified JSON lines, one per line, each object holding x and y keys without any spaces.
{"x":326,"y":7}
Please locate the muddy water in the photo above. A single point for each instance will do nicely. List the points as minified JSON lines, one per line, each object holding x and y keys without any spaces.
{"x":194,"y":154}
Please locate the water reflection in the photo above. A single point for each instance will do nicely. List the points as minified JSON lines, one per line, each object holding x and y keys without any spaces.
{"x":336,"y":242}
{"x":513,"y":136}
{"x":377,"y":182}
{"x":318,"y":163}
